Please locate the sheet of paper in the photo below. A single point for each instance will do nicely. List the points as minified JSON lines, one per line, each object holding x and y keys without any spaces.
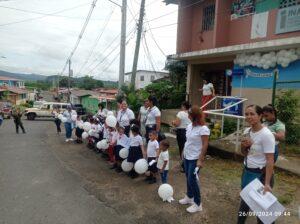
{"x":252,"y":196}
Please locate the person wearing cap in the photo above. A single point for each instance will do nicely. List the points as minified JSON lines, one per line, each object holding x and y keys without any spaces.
{"x":68,"y":124}
{"x":125,"y":116}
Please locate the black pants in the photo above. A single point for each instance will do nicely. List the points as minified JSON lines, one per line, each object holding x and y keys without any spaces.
{"x":181,"y":139}
{"x":57,"y":123}
{"x":19,"y":123}
{"x":127,"y":130}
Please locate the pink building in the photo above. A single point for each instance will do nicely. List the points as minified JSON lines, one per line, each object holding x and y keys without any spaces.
{"x":212,"y":33}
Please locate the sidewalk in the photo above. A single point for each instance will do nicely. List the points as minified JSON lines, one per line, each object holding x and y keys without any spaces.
{"x":225,"y":148}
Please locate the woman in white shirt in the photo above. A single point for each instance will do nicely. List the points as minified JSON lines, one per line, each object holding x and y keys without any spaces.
{"x":197,"y":134}
{"x":181,"y":122}
{"x":208,"y":92}
{"x":152,"y":118}
{"x":141,"y":117}
{"x":258,"y":147}
{"x":125,"y":116}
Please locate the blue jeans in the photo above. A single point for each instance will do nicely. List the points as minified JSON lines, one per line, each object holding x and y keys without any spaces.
{"x":68,"y":128}
{"x":193,"y":189}
{"x":1,"y":121}
{"x":276,"y":154}
{"x":164,"y":176}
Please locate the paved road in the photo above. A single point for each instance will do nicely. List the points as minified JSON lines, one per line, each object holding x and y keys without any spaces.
{"x":35,"y":187}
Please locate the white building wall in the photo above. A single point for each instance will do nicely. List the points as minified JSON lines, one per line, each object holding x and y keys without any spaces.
{"x":146,"y":80}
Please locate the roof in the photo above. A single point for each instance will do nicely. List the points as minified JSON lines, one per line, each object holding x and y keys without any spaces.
{"x":104,"y":90}
{"x":261,"y":46}
{"x":13,"y":90}
{"x":4,"y":78}
{"x":160,"y":72}
{"x":81,"y":92}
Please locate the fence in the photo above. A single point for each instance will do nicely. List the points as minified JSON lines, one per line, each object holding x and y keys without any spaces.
{"x":285,"y":98}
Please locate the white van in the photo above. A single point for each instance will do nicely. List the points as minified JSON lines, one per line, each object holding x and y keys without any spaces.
{"x":45,"y":110}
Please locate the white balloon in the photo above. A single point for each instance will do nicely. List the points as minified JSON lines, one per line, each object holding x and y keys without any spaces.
{"x":96,"y":135}
{"x":124,"y":153}
{"x":74,"y":117}
{"x":266,"y":66}
{"x":259,"y":64}
{"x":87,"y":126}
{"x":60,"y":116}
{"x":104,"y":144}
{"x":126,"y":166}
{"x":85,"y":135}
{"x":99,"y":145}
{"x":141,"y":166}
{"x":91,"y":132}
{"x":111,"y":121}
{"x":165,"y":192}
{"x":285,"y":65}
{"x":294,"y":57}
{"x":64,"y":119}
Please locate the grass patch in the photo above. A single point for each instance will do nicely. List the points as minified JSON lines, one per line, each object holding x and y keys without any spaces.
{"x":285,"y":199}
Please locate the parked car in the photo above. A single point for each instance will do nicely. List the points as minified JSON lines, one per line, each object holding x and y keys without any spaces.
{"x":6,"y":109}
{"x":38,"y":104}
{"x":79,"y":109}
{"x":45,"y":110}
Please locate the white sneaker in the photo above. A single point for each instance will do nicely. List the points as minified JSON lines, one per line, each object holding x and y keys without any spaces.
{"x":186,"y":200}
{"x":67,"y":140}
{"x":71,"y":139}
{"x":194,"y":208}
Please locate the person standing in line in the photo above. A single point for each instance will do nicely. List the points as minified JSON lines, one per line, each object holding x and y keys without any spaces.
{"x":181,"y":122}
{"x":152,"y":152}
{"x":195,"y":148}
{"x":153,"y":117}
{"x":57,"y":121}
{"x":68,"y":124}
{"x":17,"y":115}
{"x":141,"y":117}
{"x":163,"y":160}
{"x":125,"y":116}
{"x":275,"y":126}
{"x":208,"y":92}
{"x":258,"y":147}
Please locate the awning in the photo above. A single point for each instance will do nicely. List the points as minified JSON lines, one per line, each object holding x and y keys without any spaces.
{"x":263,"y":46}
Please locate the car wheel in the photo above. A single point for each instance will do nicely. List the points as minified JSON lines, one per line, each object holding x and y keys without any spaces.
{"x":30,"y":116}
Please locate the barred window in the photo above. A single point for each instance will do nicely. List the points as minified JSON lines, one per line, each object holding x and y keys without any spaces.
{"x":288,"y":3}
{"x":142,"y":78}
{"x":208,"y":19}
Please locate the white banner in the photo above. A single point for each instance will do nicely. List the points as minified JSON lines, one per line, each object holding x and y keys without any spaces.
{"x":259,"y":25}
{"x":257,"y":75}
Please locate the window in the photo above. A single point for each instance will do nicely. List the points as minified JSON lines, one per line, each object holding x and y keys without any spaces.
{"x":142,"y":78}
{"x":208,"y":19}
{"x":288,"y":3}
{"x":152,"y":78}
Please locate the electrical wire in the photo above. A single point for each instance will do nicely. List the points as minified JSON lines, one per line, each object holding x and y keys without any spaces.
{"x":80,"y":35}
{"x":41,"y":17}
{"x":149,"y":56}
{"x":96,"y":41}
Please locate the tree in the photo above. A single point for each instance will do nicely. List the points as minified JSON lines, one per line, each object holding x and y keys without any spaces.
{"x":87,"y":82}
{"x":178,"y":73}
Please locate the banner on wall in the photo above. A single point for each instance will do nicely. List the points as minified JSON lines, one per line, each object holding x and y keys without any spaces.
{"x":288,"y":19}
{"x":259,"y":25}
{"x":249,"y":73}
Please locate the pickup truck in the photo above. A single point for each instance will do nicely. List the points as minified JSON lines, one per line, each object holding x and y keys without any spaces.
{"x":45,"y":110}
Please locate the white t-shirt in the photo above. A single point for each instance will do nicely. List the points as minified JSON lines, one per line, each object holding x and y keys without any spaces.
{"x":102,"y":113}
{"x":193,"y":144}
{"x":207,"y":89}
{"x":263,"y":142}
{"x":143,"y":112}
{"x":136,"y":140}
{"x":124,"y":117}
{"x":184,"y":119}
{"x":123,"y":140}
{"x":163,"y":156}
{"x":152,"y":148}
{"x":151,"y":115}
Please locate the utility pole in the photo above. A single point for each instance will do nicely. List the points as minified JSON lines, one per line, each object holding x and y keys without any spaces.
{"x":122,"y":44}
{"x":138,"y":41}
{"x":69,"y":82}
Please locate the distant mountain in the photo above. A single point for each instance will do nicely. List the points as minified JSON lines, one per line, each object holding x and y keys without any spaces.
{"x":26,"y":77}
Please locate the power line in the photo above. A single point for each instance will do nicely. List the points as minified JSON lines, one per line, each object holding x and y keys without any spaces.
{"x":97,"y":41}
{"x":80,"y":34}
{"x":40,"y":17}
{"x":41,"y":13}
{"x":149,"y":56}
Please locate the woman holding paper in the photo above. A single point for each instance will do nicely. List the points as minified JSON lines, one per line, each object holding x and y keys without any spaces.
{"x":258,"y":146}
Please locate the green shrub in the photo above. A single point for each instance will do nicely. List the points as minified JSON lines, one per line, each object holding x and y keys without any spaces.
{"x":229,"y":126}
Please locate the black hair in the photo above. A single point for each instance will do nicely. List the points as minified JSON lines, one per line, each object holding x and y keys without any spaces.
{"x":270,"y":109}
{"x":186,"y":105}
{"x":257,"y":109}
{"x":135,"y":129}
{"x":153,"y":132}
{"x":153,"y":100}
{"x":101,"y":105}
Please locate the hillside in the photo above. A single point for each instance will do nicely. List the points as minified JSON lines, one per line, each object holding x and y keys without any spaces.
{"x":26,"y":77}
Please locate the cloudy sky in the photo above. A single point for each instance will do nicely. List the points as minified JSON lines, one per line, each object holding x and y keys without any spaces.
{"x":32,"y":41}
